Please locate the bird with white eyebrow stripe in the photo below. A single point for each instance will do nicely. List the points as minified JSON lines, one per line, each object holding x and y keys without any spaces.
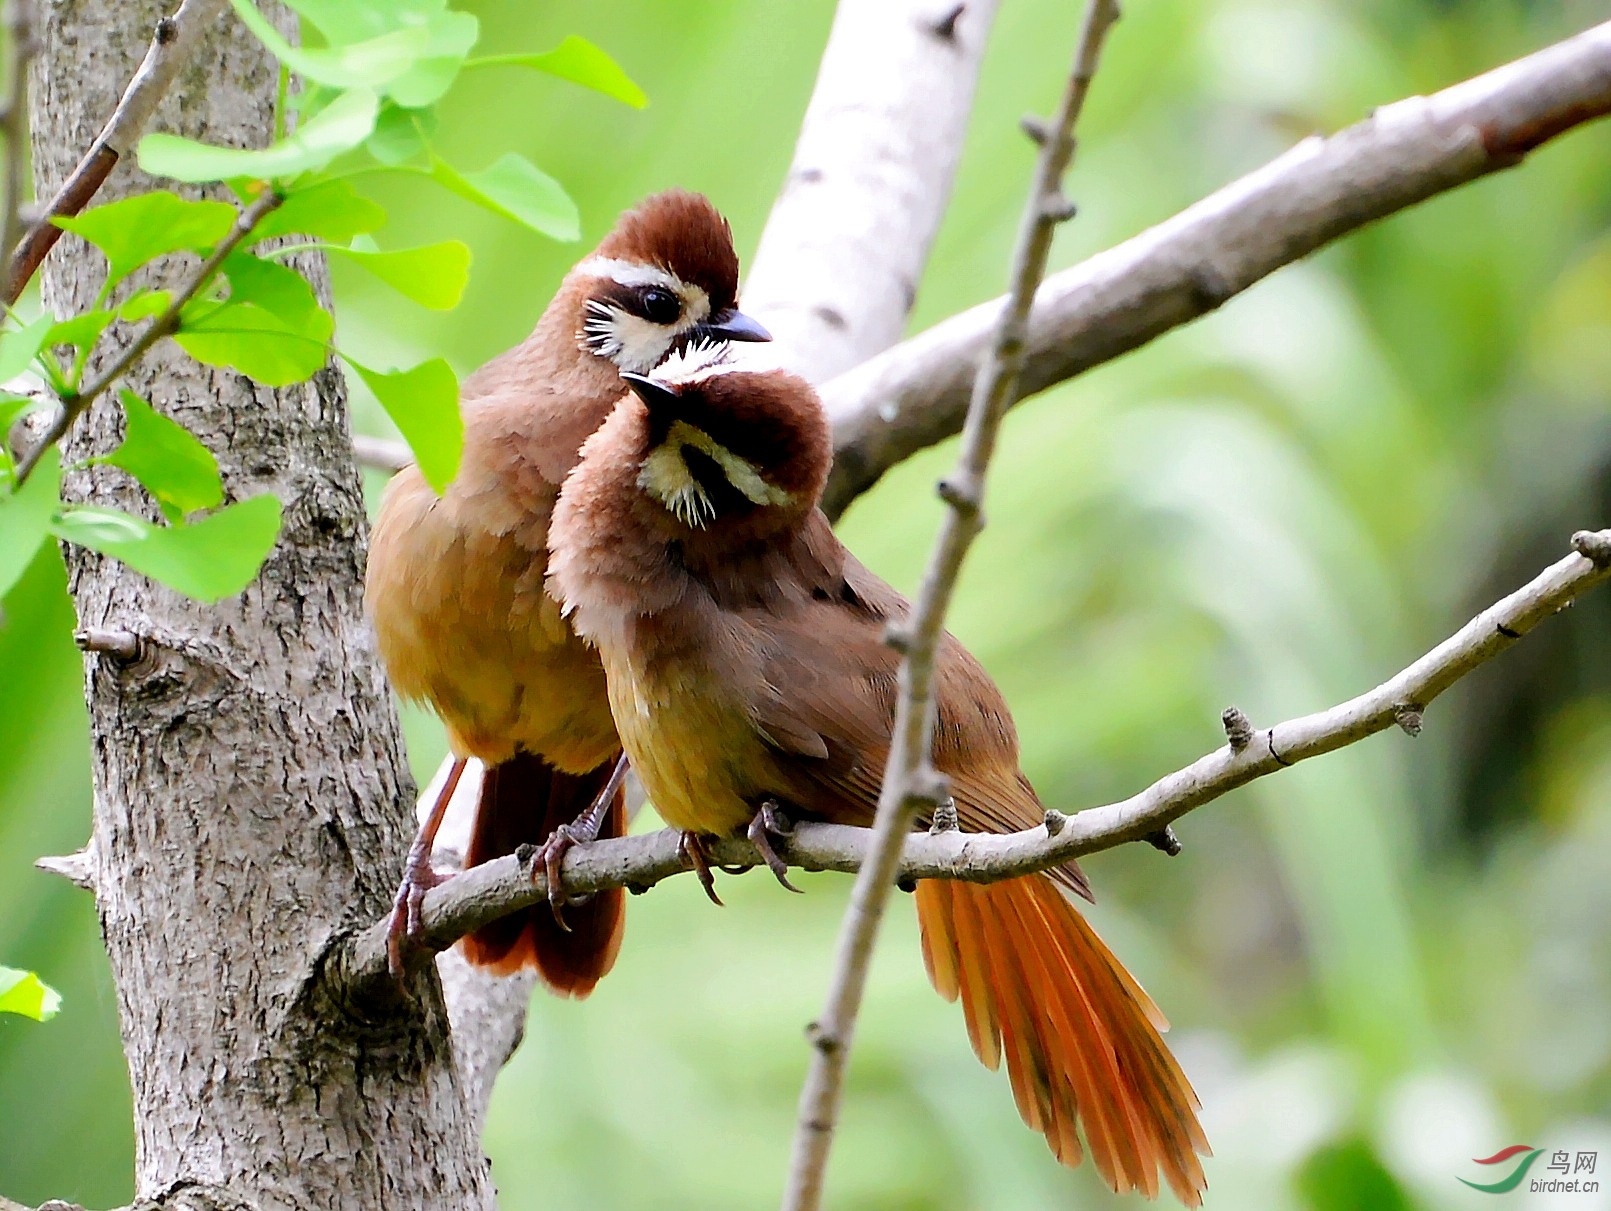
{"x":455,"y":583}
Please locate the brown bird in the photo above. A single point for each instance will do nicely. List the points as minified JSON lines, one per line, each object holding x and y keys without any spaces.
{"x":747,"y":673}
{"x":455,"y":583}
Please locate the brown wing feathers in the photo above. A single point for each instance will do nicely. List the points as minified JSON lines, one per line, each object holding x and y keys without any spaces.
{"x":1038,"y":987}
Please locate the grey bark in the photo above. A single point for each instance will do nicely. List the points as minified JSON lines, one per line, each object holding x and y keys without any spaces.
{"x":252,"y":805}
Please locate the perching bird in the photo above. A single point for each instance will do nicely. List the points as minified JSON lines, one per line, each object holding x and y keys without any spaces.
{"x":747,"y":673}
{"x":455,"y":583}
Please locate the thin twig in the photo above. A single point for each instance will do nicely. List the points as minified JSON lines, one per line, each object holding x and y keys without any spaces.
{"x":487,"y":892}
{"x":915,"y":394}
{"x":171,"y":44}
{"x":73,"y":406}
{"x":22,"y":44}
{"x":910,"y":780}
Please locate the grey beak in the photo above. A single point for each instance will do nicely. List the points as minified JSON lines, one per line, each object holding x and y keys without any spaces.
{"x":660,"y":398}
{"x":733,"y":325}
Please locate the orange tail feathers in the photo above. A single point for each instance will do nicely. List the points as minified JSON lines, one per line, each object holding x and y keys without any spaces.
{"x":1081,"y":1037}
{"x":522,"y":801}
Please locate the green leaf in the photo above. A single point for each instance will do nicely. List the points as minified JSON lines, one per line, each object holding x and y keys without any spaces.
{"x":330,"y":210}
{"x":433,"y":276}
{"x":424,"y":405}
{"x":516,"y":189}
{"x":338,"y":127}
{"x":254,"y":341}
{"x":20,"y":346}
{"x":24,"y":993}
{"x":81,"y":331}
{"x":579,"y":61}
{"x":279,"y":290}
{"x":400,"y":134}
{"x":144,"y":305}
{"x":25,"y":516}
{"x":166,"y":458}
{"x":11,"y":407}
{"x":451,"y":35}
{"x":209,"y":559}
{"x":140,"y":229}
{"x":1346,"y":1175}
{"x":371,"y":63}
{"x":342,"y":21}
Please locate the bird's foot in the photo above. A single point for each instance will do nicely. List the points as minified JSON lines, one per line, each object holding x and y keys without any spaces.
{"x":579,"y":831}
{"x":691,"y":849}
{"x":770,"y":822}
{"x":403,"y":927}
{"x":548,"y":859}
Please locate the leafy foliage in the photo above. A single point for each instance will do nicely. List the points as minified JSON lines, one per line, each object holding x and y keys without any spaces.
{"x":366,"y":105}
{"x":25,"y":994}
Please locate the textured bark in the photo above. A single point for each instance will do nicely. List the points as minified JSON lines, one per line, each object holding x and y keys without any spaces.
{"x":252,"y":805}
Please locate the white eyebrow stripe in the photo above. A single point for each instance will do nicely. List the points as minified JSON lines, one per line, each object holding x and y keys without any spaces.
{"x":630,"y":273}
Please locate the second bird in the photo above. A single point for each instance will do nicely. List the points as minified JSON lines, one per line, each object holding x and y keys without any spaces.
{"x":743,"y":647}
{"x":455,"y":583}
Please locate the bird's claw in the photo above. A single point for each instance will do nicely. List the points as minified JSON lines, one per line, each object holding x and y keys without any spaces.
{"x":551,"y":856}
{"x":405,"y":925}
{"x":691,"y":849}
{"x":770,"y":822}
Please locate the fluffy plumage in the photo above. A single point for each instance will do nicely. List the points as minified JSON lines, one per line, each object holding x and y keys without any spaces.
{"x":455,"y":583}
{"x":746,"y":662}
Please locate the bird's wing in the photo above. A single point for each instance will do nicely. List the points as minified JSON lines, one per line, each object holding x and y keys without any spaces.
{"x":828,"y":705}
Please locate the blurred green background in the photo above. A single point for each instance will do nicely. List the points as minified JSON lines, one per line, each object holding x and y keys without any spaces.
{"x":1379,"y":965}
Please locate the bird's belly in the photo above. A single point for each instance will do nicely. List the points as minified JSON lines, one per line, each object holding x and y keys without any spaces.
{"x":693,"y":754}
{"x":464,"y":625}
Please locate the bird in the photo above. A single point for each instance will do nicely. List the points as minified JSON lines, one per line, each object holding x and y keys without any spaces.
{"x":743,"y":648}
{"x":454,"y":585}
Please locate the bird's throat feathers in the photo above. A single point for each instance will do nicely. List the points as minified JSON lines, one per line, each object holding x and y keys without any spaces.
{"x":695,"y":477}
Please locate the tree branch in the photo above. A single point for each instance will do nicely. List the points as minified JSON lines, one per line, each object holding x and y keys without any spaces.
{"x":471,"y":900}
{"x":916,"y":394}
{"x":73,"y":406}
{"x":171,"y":45}
{"x":910,"y":779}
{"x":847,"y":240}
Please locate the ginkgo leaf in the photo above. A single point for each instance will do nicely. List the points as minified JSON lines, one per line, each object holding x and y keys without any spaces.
{"x":167,"y":459}
{"x":136,"y":230}
{"x":433,"y":276}
{"x":209,"y":559}
{"x":338,"y":127}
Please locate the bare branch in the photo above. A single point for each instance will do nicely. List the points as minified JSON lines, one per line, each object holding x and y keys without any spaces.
{"x":917,"y":393}
{"x":910,"y":779}
{"x":73,"y":406}
{"x":844,"y":248}
{"x":381,"y":453}
{"x":171,"y":45}
{"x":487,"y":892}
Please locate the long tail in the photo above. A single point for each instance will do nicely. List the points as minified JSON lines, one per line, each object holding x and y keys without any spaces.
{"x":1081,"y":1037}
{"x":522,"y":802}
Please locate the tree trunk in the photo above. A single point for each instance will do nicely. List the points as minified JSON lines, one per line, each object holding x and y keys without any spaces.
{"x":252,"y":803}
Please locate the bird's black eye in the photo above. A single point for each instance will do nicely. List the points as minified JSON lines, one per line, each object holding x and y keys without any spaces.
{"x":660,"y":306}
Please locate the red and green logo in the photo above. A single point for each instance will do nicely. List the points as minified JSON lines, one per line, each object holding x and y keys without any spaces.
{"x":1512,"y":1179}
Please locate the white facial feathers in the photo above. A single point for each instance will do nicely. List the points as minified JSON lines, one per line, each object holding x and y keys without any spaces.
{"x":633,"y":342}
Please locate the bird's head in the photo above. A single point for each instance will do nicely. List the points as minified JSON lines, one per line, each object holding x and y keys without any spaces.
{"x":666,"y":276}
{"x":726,"y":443}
